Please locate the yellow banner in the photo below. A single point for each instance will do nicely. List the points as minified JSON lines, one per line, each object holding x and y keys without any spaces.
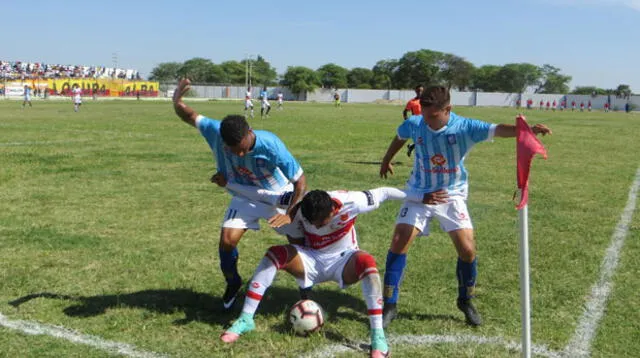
{"x":103,"y":86}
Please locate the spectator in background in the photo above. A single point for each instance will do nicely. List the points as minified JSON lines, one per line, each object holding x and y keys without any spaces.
{"x":627,"y":107}
{"x":336,"y":99}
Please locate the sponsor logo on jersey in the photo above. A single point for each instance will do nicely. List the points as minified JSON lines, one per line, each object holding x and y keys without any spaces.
{"x":255,"y":285}
{"x":370,"y":200}
{"x":438,"y":160}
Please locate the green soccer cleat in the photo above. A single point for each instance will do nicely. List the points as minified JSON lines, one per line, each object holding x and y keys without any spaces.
{"x":379,"y":346}
{"x":241,"y":326}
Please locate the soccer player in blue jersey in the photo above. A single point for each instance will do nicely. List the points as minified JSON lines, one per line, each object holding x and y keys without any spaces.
{"x":247,"y":157}
{"x":442,"y":140}
{"x":264,"y":96}
{"x":27,"y":96}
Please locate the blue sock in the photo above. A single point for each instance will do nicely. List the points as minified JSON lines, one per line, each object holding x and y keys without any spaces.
{"x":393,"y":275}
{"x":229,"y":266}
{"x":466,"y":273}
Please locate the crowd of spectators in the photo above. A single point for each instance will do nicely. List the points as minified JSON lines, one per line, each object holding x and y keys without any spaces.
{"x":16,"y":70}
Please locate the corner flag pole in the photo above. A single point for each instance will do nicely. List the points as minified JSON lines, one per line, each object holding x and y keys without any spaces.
{"x":527,"y":146}
{"x":525,"y":299}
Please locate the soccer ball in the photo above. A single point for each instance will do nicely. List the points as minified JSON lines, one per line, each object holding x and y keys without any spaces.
{"x":306,"y":317}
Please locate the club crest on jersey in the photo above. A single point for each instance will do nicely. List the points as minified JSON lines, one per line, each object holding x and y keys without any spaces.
{"x":451,"y":139}
{"x":420,"y":141}
{"x":438,"y":160}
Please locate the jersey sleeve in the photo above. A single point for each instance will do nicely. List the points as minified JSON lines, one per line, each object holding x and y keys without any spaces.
{"x":286,"y":162}
{"x":210,"y":130}
{"x":404,"y":130}
{"x":480,"y":131}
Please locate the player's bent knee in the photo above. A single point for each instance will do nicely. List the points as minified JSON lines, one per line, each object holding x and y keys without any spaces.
{"x":365,"y":265}
{"x":279,"y":255}
{"x":467,"y":254}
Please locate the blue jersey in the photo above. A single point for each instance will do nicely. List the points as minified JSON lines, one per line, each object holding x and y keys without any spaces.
{"x":269,"y":165}
{"x":27,"y":91}
{"x":264,"y":95}
{"x":439,"y":158}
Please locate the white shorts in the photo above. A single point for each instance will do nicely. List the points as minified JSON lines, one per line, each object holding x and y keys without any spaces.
{"x":77,"y":100}
{"x":265,"y":104}
{"x":280,"y":101}
{"x":248,"y":104}
{"x":451,"y":216}
{"x":320,"y":268}
{"x":243,"y":213}
{"x":27,"y":98}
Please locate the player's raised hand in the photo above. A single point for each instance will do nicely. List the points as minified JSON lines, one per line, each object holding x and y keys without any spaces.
{"x":182,"y":110}
{"x":437,"y":197}
{"x":386,"y":167}
{"x":279,"y":220}
{"x":541,"y":129}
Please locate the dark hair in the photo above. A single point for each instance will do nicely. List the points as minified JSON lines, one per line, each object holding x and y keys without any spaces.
{"x":233,"y":128}
{"x":316,"y":205}
{"x":435,"y":96}
{"x":418,"y":86}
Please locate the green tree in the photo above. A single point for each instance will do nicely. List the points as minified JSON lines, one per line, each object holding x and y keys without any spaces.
{"x":165,"y":72}
{"x":234,"y":72}
{"x":301,"y":79}
{"x":552,"y":81}
{"x":455,"y":71}
{"x":623,"y":91}
{"x":200,"y":70}
{"x":333,"y":76}
{"x":418,"y":67}
{"x":262,"y":73}
{"x":383,"y":74}
{"x":485,"y":78}
{"x":516,"y":77}
{"x":360,"y":78}
{"x":590,"y":90}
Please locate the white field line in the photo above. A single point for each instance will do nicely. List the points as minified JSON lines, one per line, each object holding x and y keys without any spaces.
{"x":580,"y":343}
{"x":35,"y":328}
{"x":434,"y":339}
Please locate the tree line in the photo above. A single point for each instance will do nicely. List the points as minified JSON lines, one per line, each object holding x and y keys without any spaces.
{"x":414,"y":67}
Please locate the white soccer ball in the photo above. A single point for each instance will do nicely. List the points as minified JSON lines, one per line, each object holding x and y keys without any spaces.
{"x":306,"y":317}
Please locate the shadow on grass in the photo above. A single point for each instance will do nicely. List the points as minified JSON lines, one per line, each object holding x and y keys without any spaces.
{"x":203,"y":307}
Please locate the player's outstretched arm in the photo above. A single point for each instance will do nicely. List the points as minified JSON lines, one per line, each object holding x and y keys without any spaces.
{"x":299,"y":188}
{"x":394,"y":147}
{"x":509,"y":130}
{"x":186,"y":113}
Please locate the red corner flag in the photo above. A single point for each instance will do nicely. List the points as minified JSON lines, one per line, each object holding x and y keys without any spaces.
{"x":526,"y":148}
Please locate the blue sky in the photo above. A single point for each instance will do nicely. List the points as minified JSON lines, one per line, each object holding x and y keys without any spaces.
{"x":594,"y":41}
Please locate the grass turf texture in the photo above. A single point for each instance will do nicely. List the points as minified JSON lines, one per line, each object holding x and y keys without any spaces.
{"x":109,"y":227}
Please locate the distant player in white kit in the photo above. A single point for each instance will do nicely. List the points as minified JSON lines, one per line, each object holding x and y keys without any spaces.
{"x":76,"y":92}
{"x":248,"y":103}
{"x":27,"y":96}
{"x":326,"y":249}
{"x":280,"y":101}
{"x":264,"y":96}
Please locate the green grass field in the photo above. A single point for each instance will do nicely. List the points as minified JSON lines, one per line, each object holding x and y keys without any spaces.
{"x":109,"y":227}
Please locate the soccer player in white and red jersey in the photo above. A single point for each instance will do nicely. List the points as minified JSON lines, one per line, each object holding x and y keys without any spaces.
{"x":326,"y":250}
{"x":443,"y":140}
{"x":76,"y":92}
{"x":248,"y":103}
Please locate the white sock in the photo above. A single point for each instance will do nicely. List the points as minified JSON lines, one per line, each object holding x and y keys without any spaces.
{"x":372,"y":292}
{"x":261,"y":280}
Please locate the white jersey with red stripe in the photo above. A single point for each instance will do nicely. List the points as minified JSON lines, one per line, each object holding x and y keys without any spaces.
{"x":247,"y":96}
{"x":340,"y":234}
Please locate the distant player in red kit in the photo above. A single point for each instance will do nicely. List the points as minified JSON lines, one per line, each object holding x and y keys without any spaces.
{"x":581,"y":106}
{"x":548,"y":105}
{"x":589,"y":106}
{"x":541,"y":104}
{"x":606,"y":107}
{"x":553,"y":106}
{"x":573,"y":105}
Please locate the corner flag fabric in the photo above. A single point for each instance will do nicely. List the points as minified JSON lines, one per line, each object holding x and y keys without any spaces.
{"x":527,"y":147}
